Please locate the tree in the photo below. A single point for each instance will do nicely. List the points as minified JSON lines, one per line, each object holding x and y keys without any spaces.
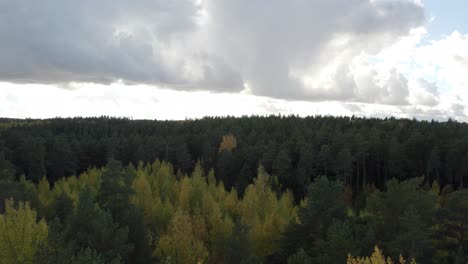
{"x":396,"y":159}
{"x":238,"y":247}
{"x":324,"y":204}
{"x":31,"y":157}
{"x":225,"y":168}
{"x":229,"y":143}
{"x":282,"y":166}
{"x":61,"y":160}
{"x":265,"y":214}
{"x":305,"y":169}
{"x":179,"y":244}
{"x":301,"y":257}
{"x":325,"y":159}
{"x":89,"y":256}
{"x":376,"y":258}
{"x":91,"y":227}
{"x":57,"y":249}
{"x":403,"y":217}
{"x":344,"y":162}
{"x":416,"y":150}
{"x":20,"y":234}
{"x":434,"y":163}
{"x":115,"y":196}
{"x":338,"y":243}
{"x":7,"y":169}
{"x":453,"y":227}
{"x":18,"y":190}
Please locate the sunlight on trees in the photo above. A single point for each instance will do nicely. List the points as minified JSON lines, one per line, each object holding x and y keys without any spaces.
{"x":21,"y":235}
{"x":377,"y":258}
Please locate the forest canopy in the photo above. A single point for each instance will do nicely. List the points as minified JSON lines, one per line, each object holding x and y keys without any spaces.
{"x":357,"y":151}
{"x":233,"y":190}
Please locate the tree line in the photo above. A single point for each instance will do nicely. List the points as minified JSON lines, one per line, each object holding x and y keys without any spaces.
{"x":358,"y":151}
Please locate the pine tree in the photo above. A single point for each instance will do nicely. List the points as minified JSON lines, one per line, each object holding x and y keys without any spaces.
{"x":453,"y":227}
{"x":91,"y":227}
{"x":301,"y":257}
{"x":7,"y":169}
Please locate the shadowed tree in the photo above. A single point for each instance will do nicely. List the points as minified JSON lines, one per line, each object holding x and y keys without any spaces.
{"x":453,"y":228}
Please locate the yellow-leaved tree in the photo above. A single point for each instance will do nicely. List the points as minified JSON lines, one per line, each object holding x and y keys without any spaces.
{"x":265,"y":214}
{"x":180,"y":244}
{"x":376,"y":258}
{"x":20,"y":233}
{"x":228,"y":143}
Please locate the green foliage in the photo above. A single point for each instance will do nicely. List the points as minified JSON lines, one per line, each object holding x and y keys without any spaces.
{"x":324,"y":205}
{"x":61,"y":160}
{"x":92,"y":227}
{"x":173,"y":211}
{"x":7,"y":169}
{"x":31,"y":152}
{"x":376,"y":258}
{"x":238,"y":247}
{"x":403,"y":217}
{"x":20,"y":234}
{"x":452,"y":228}
{"x":180,"y":244}
{"x":359,"y":151}
{"x":57,"y":248}
{"x":339,"y":241}
{"x":301,"y":257}
{"x":21,"y":190}
{"x":209,"y":212}
{"x":89,"y":256}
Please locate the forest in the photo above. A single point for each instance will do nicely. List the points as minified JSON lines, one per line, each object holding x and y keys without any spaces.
{"x":277,"y":189}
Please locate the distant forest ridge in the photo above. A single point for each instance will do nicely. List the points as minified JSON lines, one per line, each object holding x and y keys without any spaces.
{"x":294,"y":150}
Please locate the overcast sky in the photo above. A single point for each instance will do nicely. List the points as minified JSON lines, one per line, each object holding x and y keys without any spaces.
{"x":160,"y":59}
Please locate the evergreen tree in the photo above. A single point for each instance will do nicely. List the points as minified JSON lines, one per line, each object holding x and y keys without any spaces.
{"x":7,"y":169}
{"x":115,"y":196}
{"x":92,"y":227}
{"x":453,"y":227}
{"x":323,"y":205}
{"x":301,"y":257}
{"x":403,"y":216}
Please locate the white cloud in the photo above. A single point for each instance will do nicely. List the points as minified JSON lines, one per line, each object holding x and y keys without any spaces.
{"x":436,"y":69}
{"x":213,"y":45}
{"x":424,"y":93}
{"x":163,"y":59}
{"x":146,"y":102}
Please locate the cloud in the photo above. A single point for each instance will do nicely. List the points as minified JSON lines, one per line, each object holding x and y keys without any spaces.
{"x":436,"y":69}
{"x":294,"y":50}
{"x":301,"y":50}
{"x":146,"y":41}
{"x":424,"y":93}
{"x":148,"y":102}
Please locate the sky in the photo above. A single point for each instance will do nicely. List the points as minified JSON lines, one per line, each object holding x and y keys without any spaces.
{"x":185,"y":59}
